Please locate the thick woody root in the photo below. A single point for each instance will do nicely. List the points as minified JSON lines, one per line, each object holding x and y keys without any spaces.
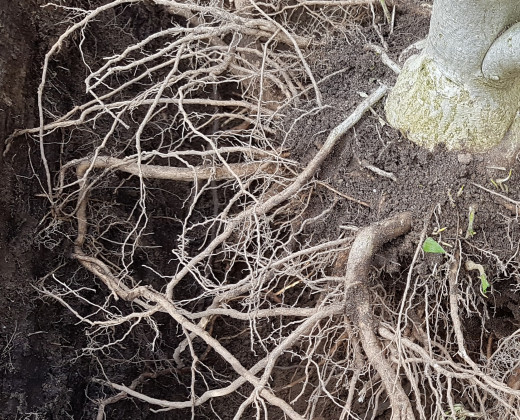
{"x":359,"y":308}
{"x":427,"y":344}
{"x":459,"y":385}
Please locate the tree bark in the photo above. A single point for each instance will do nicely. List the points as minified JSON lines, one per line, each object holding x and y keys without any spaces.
{"x":463,"y":90}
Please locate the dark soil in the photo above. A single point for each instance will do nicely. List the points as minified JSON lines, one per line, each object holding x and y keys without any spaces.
{"x":40,"y":376}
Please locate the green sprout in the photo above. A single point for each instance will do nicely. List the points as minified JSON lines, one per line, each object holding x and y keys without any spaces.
{"x":484,"y":283}
{"x":500,"y":184}
{"x":438,"y":231}
{"x":431,"y":246}
{"x":471,"y":219}
{"x":386,"y":11}
{"x":458,"y":413}
{"x":450,"y":197}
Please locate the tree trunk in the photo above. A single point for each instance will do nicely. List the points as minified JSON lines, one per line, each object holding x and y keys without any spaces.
{"x":463,"y":90}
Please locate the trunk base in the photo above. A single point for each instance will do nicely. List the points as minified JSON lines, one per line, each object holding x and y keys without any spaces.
{"x":430,"y":108}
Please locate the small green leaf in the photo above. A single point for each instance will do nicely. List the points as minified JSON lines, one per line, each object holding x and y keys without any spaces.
{"x":431,"y":246}
{"x":484,"y":284}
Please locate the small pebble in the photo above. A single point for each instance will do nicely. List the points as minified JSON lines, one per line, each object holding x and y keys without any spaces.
{"x":465,"y":158}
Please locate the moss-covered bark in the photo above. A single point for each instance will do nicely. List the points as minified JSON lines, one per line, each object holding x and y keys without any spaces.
{"x":463,"y":90}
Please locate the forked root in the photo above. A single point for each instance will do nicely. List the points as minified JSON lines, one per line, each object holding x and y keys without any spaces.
{"x":359,"y":307}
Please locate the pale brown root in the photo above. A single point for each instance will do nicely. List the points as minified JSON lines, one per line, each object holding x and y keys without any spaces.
{"x":386,"y":60}
{"x":172,"y":173}
{"x":359,"y":308}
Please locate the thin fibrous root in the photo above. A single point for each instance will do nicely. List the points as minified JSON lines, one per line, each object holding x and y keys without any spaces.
{"x":387,"y":61}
